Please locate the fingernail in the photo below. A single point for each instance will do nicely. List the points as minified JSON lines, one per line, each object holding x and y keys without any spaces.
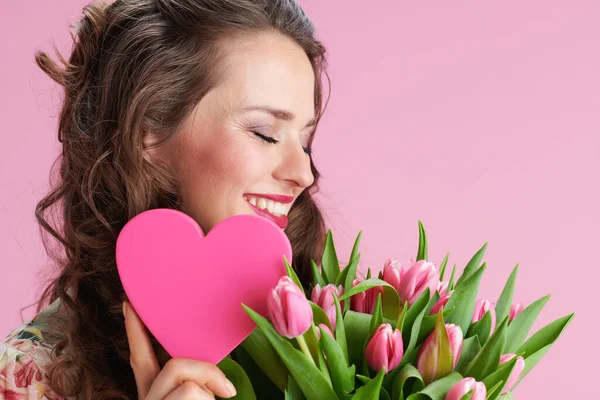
{"x":230,"y":388}
{"x":125,"y":309}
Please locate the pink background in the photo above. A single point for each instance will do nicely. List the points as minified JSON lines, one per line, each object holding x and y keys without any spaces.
{"x":479,"y":119}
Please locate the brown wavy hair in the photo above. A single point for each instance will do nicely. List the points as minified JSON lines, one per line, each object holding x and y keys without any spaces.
{"x":138,"y":66}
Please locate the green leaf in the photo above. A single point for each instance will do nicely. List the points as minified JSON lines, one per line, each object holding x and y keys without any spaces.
{"x":307,"y":375}
{"x":451,"y":281}
{"x":401,"y":316}
{"x":506,"y":396}
{"x":238,"y":377}
{"x":443,"y":266}
{"x":463,"y":300}
{"x":541,"y":341}
{"x":292,"y":274}
{"x":371,"y":390}
{"x":437,"y":390}
{"x":319,"y":316}
{"x":471,"y":347}
{"x":264,"y":388}
{"x":494,"y":390}
{"x":428,"y":324}
{"x":357,"y":329}
{"x":482,"y":328}
{"x":418,"y":308}
{"x":473,"y":264}
{"x":499,"y":377}
{"x":350,"y":276}
{"x":293,"y":391}
{"x":391,"y":300}
{"x":422,"y":253}
{"x":488,"y":359}
{"x":506,"y":297}
{"x":330,"y":263}
{"x":383,"y":394}
{"x":407,"y":381}
{"x":545,"y":336}
{"x":340,"y":329}
{"x":264,"y":355}
{"x":312,"y":342}
{"x":317,"y":278}
{"x":434,"y":299}
{"x":342,"y":377}
{"x":520,"y":326}
{"x":355,"y":247}
{"x":377,"y":318}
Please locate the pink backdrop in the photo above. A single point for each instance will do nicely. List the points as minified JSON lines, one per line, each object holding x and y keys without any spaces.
{"x":479,"y":119}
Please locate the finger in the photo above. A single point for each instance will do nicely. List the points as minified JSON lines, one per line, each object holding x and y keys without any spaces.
{"x":189,"y":390}
{"x":142,"y":358}
{"x":179,"y":370}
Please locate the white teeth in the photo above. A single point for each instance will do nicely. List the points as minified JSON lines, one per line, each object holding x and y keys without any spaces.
{"x":262,"y":203}
{"x":273,"y":207}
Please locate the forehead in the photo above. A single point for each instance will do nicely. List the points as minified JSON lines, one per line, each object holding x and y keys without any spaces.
{"x":268,"y":70}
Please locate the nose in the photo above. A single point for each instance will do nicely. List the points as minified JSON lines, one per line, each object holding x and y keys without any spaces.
{"x":294,"y":166}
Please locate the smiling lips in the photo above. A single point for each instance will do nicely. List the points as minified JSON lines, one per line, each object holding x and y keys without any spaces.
{"x":272,"y":207}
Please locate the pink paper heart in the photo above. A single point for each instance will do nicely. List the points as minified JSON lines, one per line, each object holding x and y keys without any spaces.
{"x":188,"y":288}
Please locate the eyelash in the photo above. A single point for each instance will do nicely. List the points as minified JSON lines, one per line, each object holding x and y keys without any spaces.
{"x":268,"y":139}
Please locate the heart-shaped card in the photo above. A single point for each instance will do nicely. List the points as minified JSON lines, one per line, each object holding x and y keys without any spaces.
{"x":188,"y":288}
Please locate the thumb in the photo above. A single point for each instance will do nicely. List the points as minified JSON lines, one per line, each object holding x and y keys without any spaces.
{"x":142,"y":358}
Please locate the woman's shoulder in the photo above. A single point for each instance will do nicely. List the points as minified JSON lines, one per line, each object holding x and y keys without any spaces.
{"x":24,"y":354}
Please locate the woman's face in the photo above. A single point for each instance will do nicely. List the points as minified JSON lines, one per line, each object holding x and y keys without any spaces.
{"x":226,"y":168}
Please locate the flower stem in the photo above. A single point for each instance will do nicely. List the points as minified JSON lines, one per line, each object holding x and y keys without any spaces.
{"x":304,"y":348}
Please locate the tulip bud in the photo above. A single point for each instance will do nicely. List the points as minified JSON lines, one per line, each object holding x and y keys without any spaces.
{"x":326,"y":329}
{"x":440,"y":303}
{"x":418,"y":277}
{"x":365,"y":302}
{"x":385,"y":349}
{"x":481,"y":307}
{"x":323,"y":297}
{"x":464,"y":386}
{"x":516,"y":372}
{"x":393,"y":272}
{"x":427,"y":360}
{"x":289,"y":309}
{"x":515,"y":309}
{"x":442,"y":288}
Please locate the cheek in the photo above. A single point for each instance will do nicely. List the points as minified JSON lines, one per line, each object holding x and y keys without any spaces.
{"x":228,"y":160}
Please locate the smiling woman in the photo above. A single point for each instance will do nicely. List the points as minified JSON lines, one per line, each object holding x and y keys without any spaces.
{"x":205,"y":106}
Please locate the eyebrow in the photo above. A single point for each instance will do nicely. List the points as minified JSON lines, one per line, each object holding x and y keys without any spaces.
{"x":279,"y":114}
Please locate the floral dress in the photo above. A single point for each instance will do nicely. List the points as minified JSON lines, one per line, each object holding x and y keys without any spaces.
{"x":23,"y":357}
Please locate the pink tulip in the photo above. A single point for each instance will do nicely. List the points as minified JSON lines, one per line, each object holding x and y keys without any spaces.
{"x":385,"y":349}
{"x":515,"y":309}
{"x":442,"y":288}
{"x":516,"y":372}
{"x":365,"y":302}
{"x":440,"y":303}
{"x":289,"y":309}
{"x":481,"y":307}
{"x":464,"y":386}
{"x":393,"y":272}
{"x":427,"y":360}
{"x":418,"y":277}
{"x":326,"y":329}
{"x":323,"y":297}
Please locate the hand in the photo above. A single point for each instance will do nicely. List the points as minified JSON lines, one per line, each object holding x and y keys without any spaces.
{"x":179,"y":379}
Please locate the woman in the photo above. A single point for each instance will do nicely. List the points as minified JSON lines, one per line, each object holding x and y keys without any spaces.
{"x":205,"y":106}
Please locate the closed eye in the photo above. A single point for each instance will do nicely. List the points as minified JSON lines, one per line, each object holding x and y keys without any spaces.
{"x":268,"y":139}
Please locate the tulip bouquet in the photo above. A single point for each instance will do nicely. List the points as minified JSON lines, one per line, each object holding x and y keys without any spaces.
{"x":408,"y":334}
